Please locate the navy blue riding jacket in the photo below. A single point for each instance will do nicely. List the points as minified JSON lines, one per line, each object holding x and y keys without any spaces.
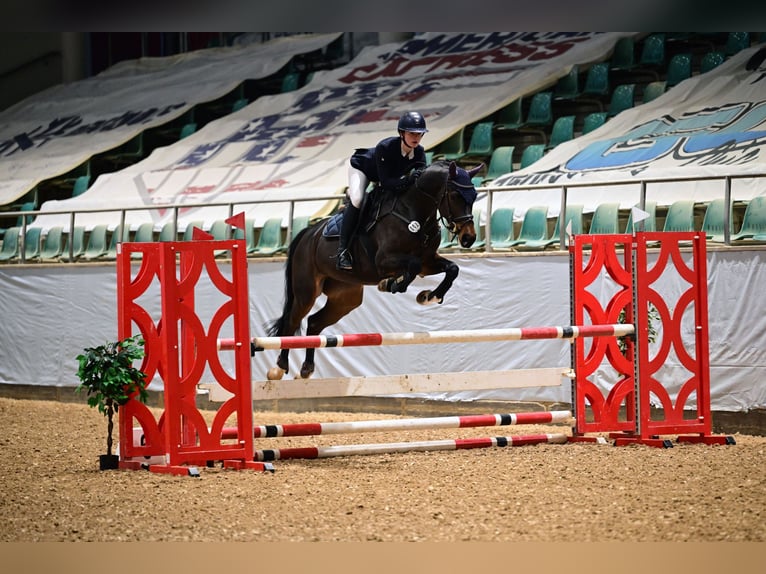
{"x":385,"y":164}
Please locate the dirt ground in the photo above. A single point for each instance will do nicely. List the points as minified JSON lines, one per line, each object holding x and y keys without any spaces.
{"x":51,"y":489}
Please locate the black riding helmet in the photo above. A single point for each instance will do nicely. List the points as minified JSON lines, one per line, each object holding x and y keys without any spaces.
{"x":412,"y":122}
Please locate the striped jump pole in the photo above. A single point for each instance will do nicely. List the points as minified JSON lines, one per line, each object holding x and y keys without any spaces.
{"x":431,"y":337}
{"x":467,"y":421}
{"x":421,"y":446}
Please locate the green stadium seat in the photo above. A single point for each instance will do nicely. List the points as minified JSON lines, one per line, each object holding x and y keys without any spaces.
{"x":300,"y":222}
{"x":189,"y":231}
{"x":623,"y":99}
{"x":509,"y":117}
{"x":32,"y":243}
{"x":753,"y":221}
{"x":452,"y":147}
{"x":144,"y":233}
{"x":652,"y":91}
{"x":80,"y":185}
{"x":248,"y":234}
{"x":76,"y":242}
{"x":10,"y":248}
{"x":593,"y":121}
{"x":187,"y":130}
{"x":679,"y":69}
{"x":653,"y":52}
{"x":606,"y":219}
{"x":736,"y":42}
{"x":711,"y":60}
{"x":531,"y":154}
{"x":270,"y":239}
{"x":97,"y":245}
{"x":540,"y":110}
{"x":680,"y":216}
{"x":53,"y":244}
{"x":118,"y":236}
{"x":290,"y":82}
{"x":624,"y":55}
{"x":713,"y":222}
{"x":562,"y":131}
{"x":481,"y":144}
{"x":534,"y":227}
{"x":168,"y":232}
{"x":568,"y":87}
{"x":239,"y":104}
{"x":501,"y":228}
{"x":500,"y":163}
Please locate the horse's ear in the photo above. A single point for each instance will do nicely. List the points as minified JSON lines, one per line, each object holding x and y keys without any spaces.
{"x":475,"y":170}
{"x":452,"y":169}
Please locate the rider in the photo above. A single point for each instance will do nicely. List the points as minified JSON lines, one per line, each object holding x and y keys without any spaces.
{"x":395,"y":163}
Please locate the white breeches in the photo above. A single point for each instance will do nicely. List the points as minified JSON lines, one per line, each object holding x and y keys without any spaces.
{"x":357,"y":184}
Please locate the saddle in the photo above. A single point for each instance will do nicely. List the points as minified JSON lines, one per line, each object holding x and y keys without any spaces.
{"x":368,"y":215}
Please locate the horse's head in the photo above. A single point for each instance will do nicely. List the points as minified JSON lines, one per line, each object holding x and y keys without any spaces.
{"x":456,"y":207}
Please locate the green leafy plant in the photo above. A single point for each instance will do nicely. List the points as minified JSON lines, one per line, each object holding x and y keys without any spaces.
{"x":653,"y":317}
{"x":108,"y":375}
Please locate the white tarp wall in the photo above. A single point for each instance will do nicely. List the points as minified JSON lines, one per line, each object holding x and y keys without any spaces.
{"x":51,"y":313}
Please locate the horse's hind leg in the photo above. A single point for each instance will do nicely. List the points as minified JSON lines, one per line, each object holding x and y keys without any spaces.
{"x":342,"y":298}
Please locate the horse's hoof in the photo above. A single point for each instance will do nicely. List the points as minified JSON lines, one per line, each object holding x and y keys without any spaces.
{"x":275,"y":374}
{"x":306,"y":372}
{"x":383,"y":285}
{"x":425,"y":298}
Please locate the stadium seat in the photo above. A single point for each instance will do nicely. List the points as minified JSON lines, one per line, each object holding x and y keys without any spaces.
{"x":97,"y":245}
{"x":300,"y":222}
{"x":736,"y":42}
{"x":10,"y":248}
{"x":679,"y":69}
{"x":501,"y":228}
{"x":573,"y":222}
{"x":74,"y":242}
{"x":187,"y":130}
{"x":32,"y":243}
{"x":144,"y":233}
{"x":606,"y":219}
{"x":509,"y":117}
{"x":248,"y":234}
{"x":624,"y":55}
{"x":500,"y":163}
{"x":189,"y":231}
{"x":593,"y":121}
{"x":452,"y":147}
{"x":239,"y":104}
{"x":534,"y":227}
{"x":219,"y":230}
{"x":531,"y":154}
{"x":168,"y":232}
{"x":653,"y":52}
{"x":270,"y":239}
{"x":649,"y":224}
{"x":53,"y":244}
{"x":446,"y":242}
{"x":652,"y":91}
{"x":80,"y":185}
{"x":481,"y":142}
{"x":597,"y":81}
{"x":128,"y":153}
{"x":540,"y":110}
{"x":290,"y":82}
{"x":680,"y":216}
{"x":753,"y":221}
{"x":568,"y":87}
{"x":711,"y":60}
{"x":562,"y":131}
{"x":713,"y":222}
{"x":111,"y":252}
{"x":622,"y":99}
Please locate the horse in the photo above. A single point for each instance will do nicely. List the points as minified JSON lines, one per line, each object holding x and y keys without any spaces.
{"x":400,"y":242}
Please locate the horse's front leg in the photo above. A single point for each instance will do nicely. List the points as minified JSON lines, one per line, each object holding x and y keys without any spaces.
{"x":400,"y":270}
{"x":438,"y":265}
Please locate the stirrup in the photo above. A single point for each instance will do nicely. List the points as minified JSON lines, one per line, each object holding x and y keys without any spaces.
{"x":344,"y":262}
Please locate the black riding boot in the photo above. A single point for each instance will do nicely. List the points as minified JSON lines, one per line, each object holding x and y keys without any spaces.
{"x":350,"y":220}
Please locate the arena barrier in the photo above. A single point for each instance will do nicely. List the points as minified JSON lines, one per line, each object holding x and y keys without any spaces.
{"x":179,"y":347}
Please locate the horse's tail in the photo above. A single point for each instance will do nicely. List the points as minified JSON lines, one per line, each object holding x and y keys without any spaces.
{"x":277,"y":325}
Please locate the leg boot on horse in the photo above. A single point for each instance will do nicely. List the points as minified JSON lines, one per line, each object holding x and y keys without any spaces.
{"x":350,"y":220}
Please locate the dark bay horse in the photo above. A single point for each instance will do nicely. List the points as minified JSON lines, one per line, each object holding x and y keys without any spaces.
{"x":401,"y":245}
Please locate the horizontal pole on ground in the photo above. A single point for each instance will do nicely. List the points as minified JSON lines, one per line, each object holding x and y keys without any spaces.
{"x":386,"y":448}
{"x":389,"y":425}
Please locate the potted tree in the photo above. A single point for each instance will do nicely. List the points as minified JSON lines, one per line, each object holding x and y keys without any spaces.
{"x":108,"y":374}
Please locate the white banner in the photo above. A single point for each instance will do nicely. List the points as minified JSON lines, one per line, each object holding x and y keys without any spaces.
{"x":297,"y":144}
{"x":709,"y":126}
{"x":56,"y":130}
